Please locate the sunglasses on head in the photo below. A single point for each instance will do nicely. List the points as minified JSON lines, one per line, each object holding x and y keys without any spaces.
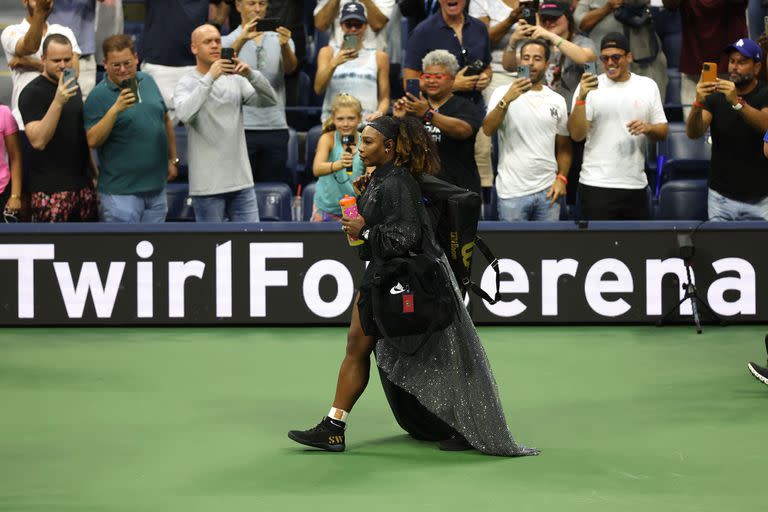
{"x":435,"y":76}
{"x":615,"y":58}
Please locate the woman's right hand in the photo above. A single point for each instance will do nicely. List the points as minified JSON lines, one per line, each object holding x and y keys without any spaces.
{"x":343,"y":56}
{"x":522,"y":31}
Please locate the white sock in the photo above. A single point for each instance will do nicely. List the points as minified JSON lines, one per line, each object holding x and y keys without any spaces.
{"x":338,"y":415}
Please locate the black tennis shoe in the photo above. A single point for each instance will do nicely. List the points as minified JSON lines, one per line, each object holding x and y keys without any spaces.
{"x":327,"y":435}
{"x":759,"y":372}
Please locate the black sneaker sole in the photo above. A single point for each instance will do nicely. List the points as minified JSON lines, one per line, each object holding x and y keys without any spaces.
{"x":757,"y":374}
{"x":323,"y":446}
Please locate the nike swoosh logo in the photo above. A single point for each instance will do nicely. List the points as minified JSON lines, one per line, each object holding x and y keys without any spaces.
{"x":398,"y":288}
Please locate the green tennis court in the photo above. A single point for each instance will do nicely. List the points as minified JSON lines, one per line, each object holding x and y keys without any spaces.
{"x":192,"y":419}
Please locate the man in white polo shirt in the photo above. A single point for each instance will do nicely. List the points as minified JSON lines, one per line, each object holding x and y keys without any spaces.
{"x":534,"y":146}
{"x":617,"y":113}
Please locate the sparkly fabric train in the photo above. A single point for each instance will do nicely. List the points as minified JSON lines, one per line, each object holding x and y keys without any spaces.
{"x":446,"y":387}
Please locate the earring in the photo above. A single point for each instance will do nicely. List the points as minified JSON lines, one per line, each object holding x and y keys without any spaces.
{"x":386,"y":150}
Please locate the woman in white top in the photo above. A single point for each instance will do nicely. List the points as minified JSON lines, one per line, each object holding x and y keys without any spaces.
{"x":356,"y":70}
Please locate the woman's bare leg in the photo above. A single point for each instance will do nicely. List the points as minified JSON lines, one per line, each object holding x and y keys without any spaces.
{"x":356,"y":367}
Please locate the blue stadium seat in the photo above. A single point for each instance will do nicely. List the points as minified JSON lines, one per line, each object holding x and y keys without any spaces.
{"x":274,"y":201}
{"x":490,"y":209}
{"x":182,"y":151}
{"x":135,"y":29}
{"x":684,"y":158}
{"x":307,"y":200}
{"x":313,"y":135}
{"x":673,"y":87}
{"x":683,"y":200}
{"x":179,"y":203}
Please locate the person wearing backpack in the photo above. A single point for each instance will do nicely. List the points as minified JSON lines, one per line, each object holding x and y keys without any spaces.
{"x":448,"y":376}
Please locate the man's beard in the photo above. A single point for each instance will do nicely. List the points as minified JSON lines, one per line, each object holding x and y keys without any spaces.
{"x":744,"y":80}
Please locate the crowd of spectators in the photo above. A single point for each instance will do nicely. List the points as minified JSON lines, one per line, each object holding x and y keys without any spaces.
{"x":572,"y":92}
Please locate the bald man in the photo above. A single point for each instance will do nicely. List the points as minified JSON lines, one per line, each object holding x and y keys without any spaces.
{"x":209,"y":101}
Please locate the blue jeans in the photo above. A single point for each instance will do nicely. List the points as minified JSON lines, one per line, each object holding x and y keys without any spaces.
{"x":145,"y":207}
{"x":720,"y":208}
{"x":237,"y":206}
{"x":531,"y":207}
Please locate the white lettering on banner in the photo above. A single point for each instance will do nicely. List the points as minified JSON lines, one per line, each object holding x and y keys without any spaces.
{"x":344,"y":283}
{"x":745,"y":284}
{"x":25,"y":255}
{"x":518,"y":284}
{"x":595,"y":286}
{"x":655,"y":270}
{"x":224,"y":280}
{"x":260,"y":277}
{"x":178,"y":273}
{"x":89,"y":281}
{"x":551,"y":270}
{"x":145,"y":298}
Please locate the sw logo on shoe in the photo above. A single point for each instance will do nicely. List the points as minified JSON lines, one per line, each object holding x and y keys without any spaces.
{"x":335,"y":439}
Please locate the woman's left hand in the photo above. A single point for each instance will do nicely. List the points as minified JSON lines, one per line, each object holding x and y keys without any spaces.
{"x":352,"y":227}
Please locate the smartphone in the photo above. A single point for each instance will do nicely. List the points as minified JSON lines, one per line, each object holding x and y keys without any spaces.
{"x":765,"y":25}
{"x":529,"y":11}
{"x":347,"y":140}
{"x":709,"y":72}
{"x":523,"y":72}
{"x":69,"y":74}
{"x":267,"y":25}
{"x":228,"y":53}
{"x":133,"y":85}
{"x":350,"y":42}
{"x":413,"y":86}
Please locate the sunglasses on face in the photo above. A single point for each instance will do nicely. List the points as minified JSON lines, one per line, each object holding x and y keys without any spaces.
{"x":615,"y":58}
{"x":435,"y":76}
{"x":352,"y":24}
{"x":549,"y":19}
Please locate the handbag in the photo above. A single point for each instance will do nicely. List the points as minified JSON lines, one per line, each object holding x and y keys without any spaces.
{"x":412,"y":296}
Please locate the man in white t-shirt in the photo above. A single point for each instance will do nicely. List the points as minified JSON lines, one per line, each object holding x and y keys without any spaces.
{"x":534,"y":146}
{"x":616,"y":113}
{"x":22,"y":44}
{"x":378,"y":12}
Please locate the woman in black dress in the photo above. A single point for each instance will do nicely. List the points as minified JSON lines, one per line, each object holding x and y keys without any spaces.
{"x":448,"y":378}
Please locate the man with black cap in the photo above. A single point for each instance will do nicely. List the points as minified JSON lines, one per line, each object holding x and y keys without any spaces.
{"x":617,"y":113}
{"x":736,"y":112}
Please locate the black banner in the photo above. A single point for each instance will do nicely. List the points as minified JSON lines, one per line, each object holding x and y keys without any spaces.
{"x":285,"y":274}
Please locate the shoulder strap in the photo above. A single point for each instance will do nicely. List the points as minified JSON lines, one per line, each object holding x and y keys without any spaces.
{"x":494,"y":263}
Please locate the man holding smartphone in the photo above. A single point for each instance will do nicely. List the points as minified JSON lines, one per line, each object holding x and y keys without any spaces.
{"x":736,"y":112}
{"x":534,"y":144}
{"x":271,"y":51}
{"x":60,"y":167}
{"x":128,"y":124}
{"x":210,"y":101}
{"x":617,"y":113}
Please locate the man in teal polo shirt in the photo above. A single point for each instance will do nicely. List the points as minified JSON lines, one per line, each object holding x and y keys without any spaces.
{"x":134,"y":139}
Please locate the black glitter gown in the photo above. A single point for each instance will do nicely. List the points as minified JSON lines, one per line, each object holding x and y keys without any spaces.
{"x":446,"y":387}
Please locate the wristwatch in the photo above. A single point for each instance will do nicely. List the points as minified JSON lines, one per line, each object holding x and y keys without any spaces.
{"x":428,"y":116}
{"x":503,"y":105}
{"x":738,"y":106}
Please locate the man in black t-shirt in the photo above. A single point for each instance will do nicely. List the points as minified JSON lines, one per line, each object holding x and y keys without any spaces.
{"x":736,"y":110}
{"x":452,"y":121}
{"x":52,"y":109}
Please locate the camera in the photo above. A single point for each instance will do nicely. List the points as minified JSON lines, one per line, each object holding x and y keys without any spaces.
{"x":474,"y":68}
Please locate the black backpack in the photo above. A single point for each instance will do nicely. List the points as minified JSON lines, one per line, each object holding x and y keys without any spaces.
{"x":454,"y":213}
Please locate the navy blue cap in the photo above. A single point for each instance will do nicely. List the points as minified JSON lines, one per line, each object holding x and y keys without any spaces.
{"x":747,"y":48}
{"x":353,"y":11}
